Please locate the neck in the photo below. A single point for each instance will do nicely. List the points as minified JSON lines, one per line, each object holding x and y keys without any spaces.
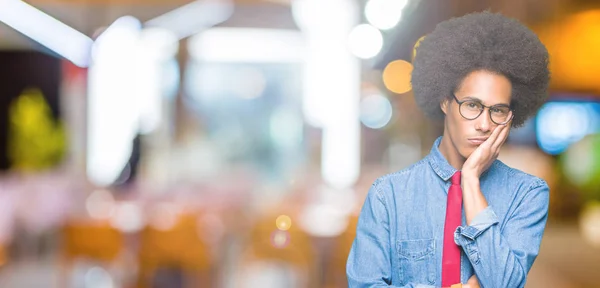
{"x":450,"y":152}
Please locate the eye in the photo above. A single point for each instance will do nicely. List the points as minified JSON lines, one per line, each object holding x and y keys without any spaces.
{"x":500,"y":110}
{"x":472,"y":105}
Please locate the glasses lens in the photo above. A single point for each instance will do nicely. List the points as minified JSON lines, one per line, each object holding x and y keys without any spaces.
{"x":501,"y":114}
{"x":470,"y":109}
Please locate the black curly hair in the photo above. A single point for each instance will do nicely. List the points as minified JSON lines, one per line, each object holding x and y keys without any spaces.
{"x":481,"y":41}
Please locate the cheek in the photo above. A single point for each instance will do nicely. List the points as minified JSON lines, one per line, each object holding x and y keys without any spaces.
{"x":460,"y":127}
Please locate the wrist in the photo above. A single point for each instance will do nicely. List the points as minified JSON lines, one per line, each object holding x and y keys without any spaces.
{"x":469,"y":177}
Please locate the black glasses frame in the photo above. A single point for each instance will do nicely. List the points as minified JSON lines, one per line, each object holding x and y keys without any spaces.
{"x":512,"y":112}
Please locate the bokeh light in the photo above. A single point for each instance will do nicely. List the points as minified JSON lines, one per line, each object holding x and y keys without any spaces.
{"x":165,"y":216}
{"x":365,"y":41}
{"x":323,"y":220}
{"x":560,"y":124}
{"x":397,"y":75}
{"x":97,"y":277}
{"x":590,"y":223}
{"x":573,"y":43}
{"x":128,"y":217}
{"x":375,"y":111}
{"x":283,"y":222}
{"x":581,"y":163}
{"x":100,"y":204}
{"x":384,"y":14}
{"x":280,"y":239}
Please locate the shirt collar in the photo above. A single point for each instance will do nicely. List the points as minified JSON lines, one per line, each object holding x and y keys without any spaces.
{"x":438,"y":162}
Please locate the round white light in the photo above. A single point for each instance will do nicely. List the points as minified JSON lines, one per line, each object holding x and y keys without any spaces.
{"x":375,"y":111}
{"x":365,"y":41}
{"x":128,"y":217}
{"x":384,"y":14}
{"x":97,"y":277}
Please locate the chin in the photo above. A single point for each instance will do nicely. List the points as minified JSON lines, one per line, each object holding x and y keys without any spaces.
{"x":466,"y":152}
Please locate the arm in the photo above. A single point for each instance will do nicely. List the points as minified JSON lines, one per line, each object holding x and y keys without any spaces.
{"x":369,"y":263}
{"x":503,"y":257}
{"x":500,"y":256}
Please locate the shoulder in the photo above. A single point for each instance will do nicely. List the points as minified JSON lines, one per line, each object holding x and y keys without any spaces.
{"x":386,"y":184}
{"x":518,"y":177}
{"x":525,"y":185}
{"x":531,"y":194}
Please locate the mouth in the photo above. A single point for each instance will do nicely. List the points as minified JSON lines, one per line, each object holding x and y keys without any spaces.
{"x":477,"y":140}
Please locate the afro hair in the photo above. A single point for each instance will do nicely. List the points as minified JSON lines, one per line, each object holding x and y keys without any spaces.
{"x":481,"y":41}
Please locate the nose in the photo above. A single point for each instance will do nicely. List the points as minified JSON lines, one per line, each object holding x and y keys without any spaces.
{"x":484,"y":122}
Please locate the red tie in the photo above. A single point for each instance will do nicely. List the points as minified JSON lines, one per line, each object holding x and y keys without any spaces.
{"x":451,"y":254}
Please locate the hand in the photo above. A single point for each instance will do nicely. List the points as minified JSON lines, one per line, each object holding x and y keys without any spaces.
{"x":472,"y":283}
{"x":483,"y":157}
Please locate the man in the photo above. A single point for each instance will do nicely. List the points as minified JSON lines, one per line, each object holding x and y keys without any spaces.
{"x":459,"y":217}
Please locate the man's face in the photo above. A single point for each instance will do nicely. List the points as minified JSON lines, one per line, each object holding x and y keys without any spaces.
{"x":484,"y":87}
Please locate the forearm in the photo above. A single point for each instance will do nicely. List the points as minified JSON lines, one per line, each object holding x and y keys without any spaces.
{"x":502,"y":257}
{"x":490,"y":254}
{"x":473,"y":200}
{"x":482,"y":242}
{"x":486,"y":251}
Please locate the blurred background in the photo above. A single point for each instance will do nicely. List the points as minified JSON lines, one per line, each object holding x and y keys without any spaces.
{"x":214,"y":143}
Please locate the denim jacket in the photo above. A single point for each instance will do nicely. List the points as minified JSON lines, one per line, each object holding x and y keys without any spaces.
{"x":399,"y":236}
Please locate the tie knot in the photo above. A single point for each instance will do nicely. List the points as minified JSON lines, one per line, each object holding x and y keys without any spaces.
{"x":455,"y":178}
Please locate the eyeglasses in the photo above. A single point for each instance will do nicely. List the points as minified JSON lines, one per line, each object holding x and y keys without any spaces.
{"x":471,"y":109}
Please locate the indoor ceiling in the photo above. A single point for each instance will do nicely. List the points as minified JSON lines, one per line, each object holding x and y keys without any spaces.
{"x":87,"y":16}
{"x":551,"y":17}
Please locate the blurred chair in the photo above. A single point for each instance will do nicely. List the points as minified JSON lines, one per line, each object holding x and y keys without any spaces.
{"x":178,"y":249}
{"x":89,"y":240}
{"x":277,"y":258}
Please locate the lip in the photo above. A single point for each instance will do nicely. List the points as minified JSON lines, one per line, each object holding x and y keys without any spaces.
{"x":477,"y":140}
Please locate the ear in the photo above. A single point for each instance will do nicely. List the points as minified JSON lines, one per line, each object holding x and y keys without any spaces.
{"x":444,"y":105}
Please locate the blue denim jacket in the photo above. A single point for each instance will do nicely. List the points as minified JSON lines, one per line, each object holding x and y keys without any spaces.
{"x":400,"y":228}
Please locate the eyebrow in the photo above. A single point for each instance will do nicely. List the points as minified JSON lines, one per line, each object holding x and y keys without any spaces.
{"x":479,"y":100}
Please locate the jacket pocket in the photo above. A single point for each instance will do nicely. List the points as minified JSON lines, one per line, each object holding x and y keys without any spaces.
{"x":417,"y":263}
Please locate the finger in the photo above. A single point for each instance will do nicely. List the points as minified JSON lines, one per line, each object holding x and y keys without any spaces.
{"x":473,"y":281}
{"x":492,"y":139}
{"x":503,"y":135}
